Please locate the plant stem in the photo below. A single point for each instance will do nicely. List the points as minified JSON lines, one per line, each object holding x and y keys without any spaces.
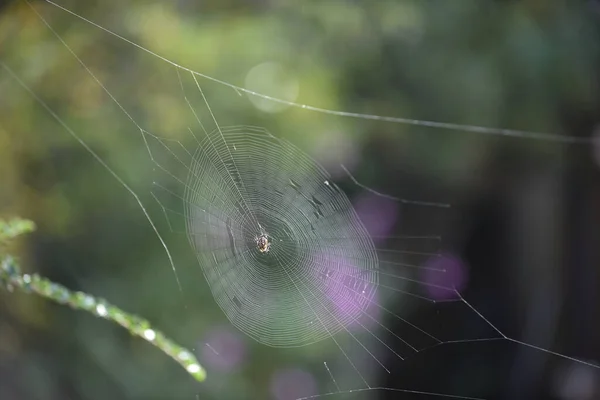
{"x":11,"y":278}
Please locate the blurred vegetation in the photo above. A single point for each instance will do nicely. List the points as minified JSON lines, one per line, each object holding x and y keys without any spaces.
{"x":530,"y":65}
{"x":11,"y":278}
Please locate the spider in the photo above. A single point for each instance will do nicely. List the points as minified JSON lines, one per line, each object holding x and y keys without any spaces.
{"x":262,"y":242}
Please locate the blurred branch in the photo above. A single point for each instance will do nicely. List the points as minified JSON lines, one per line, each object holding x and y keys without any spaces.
{"x":11,"y":278}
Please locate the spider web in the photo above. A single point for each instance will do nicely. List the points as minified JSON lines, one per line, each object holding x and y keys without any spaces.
{"x":226,"y":209}
{"x":325,"y":277}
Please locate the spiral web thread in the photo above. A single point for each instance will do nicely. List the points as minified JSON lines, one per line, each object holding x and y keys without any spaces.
{"x":323,"y":273}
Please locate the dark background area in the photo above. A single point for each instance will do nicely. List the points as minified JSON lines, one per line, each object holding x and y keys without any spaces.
{"x":524,"y":221}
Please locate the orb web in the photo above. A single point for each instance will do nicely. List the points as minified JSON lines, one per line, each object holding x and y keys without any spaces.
{"x":289,"y":198}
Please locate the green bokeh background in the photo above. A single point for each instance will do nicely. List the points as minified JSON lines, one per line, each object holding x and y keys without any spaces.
{"x":530,"y":65}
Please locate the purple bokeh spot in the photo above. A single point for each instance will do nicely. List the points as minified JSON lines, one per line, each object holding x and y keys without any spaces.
{"x":223,"y":349}
{"x":291,"y":384}
{"x":378,"y":214}
{"x":445,"y":270}
{"x":348,"y":286}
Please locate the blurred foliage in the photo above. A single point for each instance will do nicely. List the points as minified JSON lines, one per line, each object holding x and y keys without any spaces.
{"x":13,"y":228}
{"x":11,"y":278}
{"x":523,"y":65}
